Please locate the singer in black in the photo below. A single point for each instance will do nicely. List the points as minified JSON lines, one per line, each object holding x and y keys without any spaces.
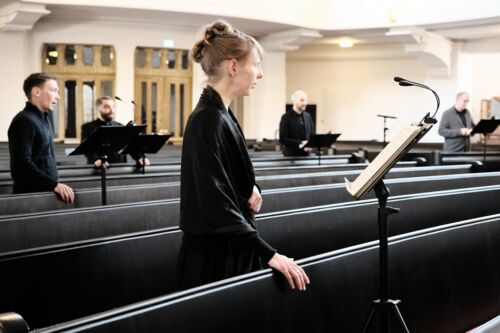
{"x":296,"y":127}
{"x":32,"y":157}
{"x":106,"y":109}
{"x":219,"y":196}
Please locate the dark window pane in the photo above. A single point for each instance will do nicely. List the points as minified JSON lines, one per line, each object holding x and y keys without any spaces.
{"x":185,"y":59}
{"x":144,"y":96}
{"x":70,"y":54}
{"x":106,"y":56}
{"x":172,"y":109}
{"x":106,"y":88}
{"x":51,"y":55}
{"x":154,"y":98}
{"x":88,"y":55}
{"x":171,"y":59}
{"x":70,"y":109}
{"x":140,"y":57}
{"x":156,"y":58}
{"x":181,"y":98}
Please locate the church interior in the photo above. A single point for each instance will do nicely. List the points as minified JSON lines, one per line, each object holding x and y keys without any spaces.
{"x":396,"y":230}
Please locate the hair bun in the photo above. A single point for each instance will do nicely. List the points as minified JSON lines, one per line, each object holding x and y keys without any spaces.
{"x":197,"y":51}
{"x":218,"y":28}
{"x":219,"y":41}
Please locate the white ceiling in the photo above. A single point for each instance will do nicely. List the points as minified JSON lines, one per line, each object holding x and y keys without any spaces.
{"x":456,"y":31}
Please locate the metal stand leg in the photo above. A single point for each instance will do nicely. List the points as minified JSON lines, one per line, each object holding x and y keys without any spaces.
{"x":384,"y":304}
{"x":484,"y":148}
{"x":103,"y":180}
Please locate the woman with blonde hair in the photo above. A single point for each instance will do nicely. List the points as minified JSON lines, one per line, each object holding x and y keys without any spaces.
{"x":219,"y":196}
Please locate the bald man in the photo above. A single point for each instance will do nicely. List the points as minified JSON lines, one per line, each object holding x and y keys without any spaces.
{"x":296,"y":127}
{"x":456,"y":125}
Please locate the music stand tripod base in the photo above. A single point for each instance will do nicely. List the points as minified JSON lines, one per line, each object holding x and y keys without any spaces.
{"x":384,"y":305}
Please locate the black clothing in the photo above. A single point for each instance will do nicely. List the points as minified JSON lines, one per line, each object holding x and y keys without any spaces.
{"x":462,"y":117}
{"x":294,"y":129}
{"x":31,"y":145}
{"x":217,"y":178}
{"x":90,"y":127}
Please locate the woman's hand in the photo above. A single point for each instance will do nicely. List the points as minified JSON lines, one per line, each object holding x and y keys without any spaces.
{"x":294,"y":274}
{"x":255,"y":201}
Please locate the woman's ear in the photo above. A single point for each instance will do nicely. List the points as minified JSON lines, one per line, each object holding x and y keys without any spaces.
{"x":232,"y":66}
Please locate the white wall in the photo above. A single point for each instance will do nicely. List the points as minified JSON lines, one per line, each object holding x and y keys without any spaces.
{"x":265,"y":105}
{"x":485,"y":73}
{"x":350,"y":93}
{"x":12,"y":60}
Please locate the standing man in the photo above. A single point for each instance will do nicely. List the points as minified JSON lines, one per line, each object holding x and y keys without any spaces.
{"x":106,"y":114}
{"x":31,"y":146}
{"x":456,"y":125}
{"x":296,"y":127}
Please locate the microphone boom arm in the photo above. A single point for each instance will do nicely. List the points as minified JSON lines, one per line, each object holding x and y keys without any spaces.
{"x":406,"y":83}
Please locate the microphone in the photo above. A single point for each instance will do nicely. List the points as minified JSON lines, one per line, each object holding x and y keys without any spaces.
{"x":128,"y":106}
{"x":327,"y":124}
{"x":121,"y":100}
{"x":407,"y":83}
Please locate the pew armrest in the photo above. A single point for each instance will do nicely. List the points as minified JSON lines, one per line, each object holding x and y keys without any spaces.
{"x":491,"y":326}
{"x":11,"y":322}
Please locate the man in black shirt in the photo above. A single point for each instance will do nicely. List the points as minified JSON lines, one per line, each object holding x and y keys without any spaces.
{"x":456,"y":125}
{"x":106,"y":113}
{"x":106,"y":110}
{"x":296,"y":127}
{"x":32,"y":157}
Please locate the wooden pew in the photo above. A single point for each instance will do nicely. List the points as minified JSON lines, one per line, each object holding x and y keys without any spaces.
{"x":278,"y":168}
{"x":447,"y":278}
{"x":91,"y":276}
{"x":77,"y":180}
{"x":78,"y":224}
{"x":69,"y":171}
{"x":265,"y":182}
{"x":86,"y":197}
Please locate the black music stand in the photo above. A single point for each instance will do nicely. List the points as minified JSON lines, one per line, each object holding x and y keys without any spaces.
{"x":485,"y":127}
{"x":319,"y":141}
{"x":145,"y":144}
{"x":372,"y":178}
{"x":102,"y":141}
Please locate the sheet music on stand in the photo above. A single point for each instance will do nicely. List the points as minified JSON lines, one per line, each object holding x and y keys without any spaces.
{"x":385,"y":159}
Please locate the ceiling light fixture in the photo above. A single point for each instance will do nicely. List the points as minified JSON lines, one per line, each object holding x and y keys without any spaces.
{"x":345,"y":43}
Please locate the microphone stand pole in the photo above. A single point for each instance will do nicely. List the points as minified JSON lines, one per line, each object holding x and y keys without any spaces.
{"x":385,"y":126}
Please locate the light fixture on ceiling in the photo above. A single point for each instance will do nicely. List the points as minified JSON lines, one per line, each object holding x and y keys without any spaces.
{"x":345,"y":43}
{"x":395,"y":9}
{"x":168,"y":43}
